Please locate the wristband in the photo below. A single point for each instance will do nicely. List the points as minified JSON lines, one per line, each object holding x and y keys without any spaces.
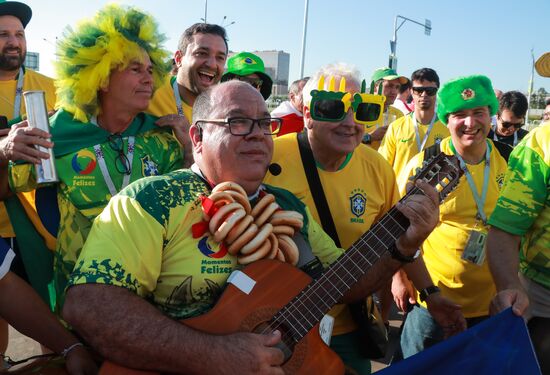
{"x":424,"y":293}
{"x":397,"y":255}
{"x":67,"y":350}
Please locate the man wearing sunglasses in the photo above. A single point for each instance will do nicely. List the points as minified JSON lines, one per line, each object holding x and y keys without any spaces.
{"x":248,"y":67}
{"x":385,"y":81}
{"x":347,"y":170}
{"x":157,"y":272}
{"x":510,"y":118}
{"x":411,"y":134}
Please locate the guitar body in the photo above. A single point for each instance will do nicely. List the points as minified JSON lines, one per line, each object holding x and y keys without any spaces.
{"x":276,"y":284}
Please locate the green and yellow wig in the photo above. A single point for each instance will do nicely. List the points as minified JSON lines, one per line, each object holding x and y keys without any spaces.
{"x":112,"y":39}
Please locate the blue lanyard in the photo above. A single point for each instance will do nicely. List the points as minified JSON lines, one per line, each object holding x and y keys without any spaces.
{"x":480,"y":200}
{"x":418,"y":144}
{"x":179,"y":104}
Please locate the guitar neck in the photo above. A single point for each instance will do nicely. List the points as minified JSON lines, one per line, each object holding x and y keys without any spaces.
{"x":309,"y":307}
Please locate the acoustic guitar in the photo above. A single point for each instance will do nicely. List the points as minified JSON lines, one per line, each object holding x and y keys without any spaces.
{"x":280,"y":297}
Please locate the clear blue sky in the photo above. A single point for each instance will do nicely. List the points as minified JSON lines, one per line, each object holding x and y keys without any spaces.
{"x":491,"y":37}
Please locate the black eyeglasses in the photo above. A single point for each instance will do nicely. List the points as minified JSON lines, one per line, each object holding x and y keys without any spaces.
{"x":430,"y":91}
{"x":255,"y":82}
{"x":507,"y":124}
{"x":122,"y":164}
{"x":243,"y":126}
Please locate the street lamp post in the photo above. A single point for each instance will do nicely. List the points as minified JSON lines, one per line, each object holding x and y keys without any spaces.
{"x":393,"y":43}
{"x":303,"y":57}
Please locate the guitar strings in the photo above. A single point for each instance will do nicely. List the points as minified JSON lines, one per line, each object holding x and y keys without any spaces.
{"x":378,"y":231}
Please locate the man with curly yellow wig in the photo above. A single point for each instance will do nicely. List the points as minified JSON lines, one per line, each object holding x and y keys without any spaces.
{"x":108,"y":69}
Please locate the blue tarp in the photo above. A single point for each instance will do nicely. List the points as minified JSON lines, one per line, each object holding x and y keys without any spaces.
{"x":499,"y":345}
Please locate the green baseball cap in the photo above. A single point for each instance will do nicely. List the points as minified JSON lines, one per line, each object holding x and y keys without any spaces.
{"x":388,"y":74}
{"x":16,"y":9}
{"x":244,"y":64}
{"x":465,"y":93}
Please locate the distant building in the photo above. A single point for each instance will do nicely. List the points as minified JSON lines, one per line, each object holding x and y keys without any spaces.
{"x":32,"y":61}
{"x":277,"y":65}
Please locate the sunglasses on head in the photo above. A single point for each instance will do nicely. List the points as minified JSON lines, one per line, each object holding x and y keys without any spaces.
{"x":332,"y":106}
{"x":430,"y":91}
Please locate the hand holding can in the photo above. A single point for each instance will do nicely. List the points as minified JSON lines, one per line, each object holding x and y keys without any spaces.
{"x":37,"y":117}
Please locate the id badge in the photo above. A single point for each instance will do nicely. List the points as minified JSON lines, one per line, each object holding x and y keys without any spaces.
{"x":474,"y":251}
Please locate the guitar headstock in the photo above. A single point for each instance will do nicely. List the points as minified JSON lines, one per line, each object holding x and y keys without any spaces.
{"x":441,"y":171}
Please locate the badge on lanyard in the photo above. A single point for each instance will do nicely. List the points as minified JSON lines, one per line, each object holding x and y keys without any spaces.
{"x":475,"y":249}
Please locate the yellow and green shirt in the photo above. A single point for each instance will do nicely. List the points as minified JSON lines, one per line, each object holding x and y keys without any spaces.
{"x":399,"y":144}
{"x":32,"y":81}
{"x":143,"y":241}
{"x":465,"y":283}
{"x":523,"y":207}
{"x":358,"y":195}
{"x":390,"y":115}
{"x":164,"y":103}
{"x":82,"y":191}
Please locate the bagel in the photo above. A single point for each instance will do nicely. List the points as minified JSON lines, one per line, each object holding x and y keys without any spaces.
{"x":257,"y":241}
{"x":228,"y":224}
{"x":260,"y":253}
{"x":262,"y":204}
{"x":219,"y":199}
{"x":266,"y":214}
{"x":289,"y":249}
{"x":290,"y":222}
{"x":280,"y":256}
{"x":242,"y":199}
{"x":244,"y":238}
{"x":284,"y":229}
{"x":238,"y":229}
{"x":274,"y":246}
{"x":229,"y":185}
{"x":220,"y":215}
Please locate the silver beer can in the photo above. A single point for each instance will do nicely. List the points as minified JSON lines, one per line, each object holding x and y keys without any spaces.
{"x":37,"y":117}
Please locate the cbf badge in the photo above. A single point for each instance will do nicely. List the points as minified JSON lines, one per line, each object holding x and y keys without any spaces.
{"x":358,"y":203}
{"x":475,"y":249}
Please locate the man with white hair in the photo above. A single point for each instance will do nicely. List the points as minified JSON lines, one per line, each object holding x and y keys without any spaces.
{"x":346,"y":169}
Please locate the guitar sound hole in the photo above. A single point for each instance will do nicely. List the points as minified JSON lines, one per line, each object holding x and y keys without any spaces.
{"x":287,"y":343}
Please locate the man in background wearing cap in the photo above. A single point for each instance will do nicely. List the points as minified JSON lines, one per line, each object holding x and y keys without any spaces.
{"x":14,"y":80}
{"x":510,"y":118}
{"x":454,"y":252}
{"x":248,"y":67}
{"x":291,"y":110}
{"x":199,"y":63}
{"x":387,"y":82}
{"x":521,"y":223}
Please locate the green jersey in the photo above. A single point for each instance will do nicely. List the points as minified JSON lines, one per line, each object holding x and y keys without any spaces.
{"x":93,"y":165}
{"x":143,"y":241}
{"x":523,"y":207}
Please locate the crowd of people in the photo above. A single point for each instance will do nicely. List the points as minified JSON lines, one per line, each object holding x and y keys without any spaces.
{"x":173,"y":175}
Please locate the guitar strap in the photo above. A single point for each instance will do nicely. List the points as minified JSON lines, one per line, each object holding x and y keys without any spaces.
{"x":317,"y":192}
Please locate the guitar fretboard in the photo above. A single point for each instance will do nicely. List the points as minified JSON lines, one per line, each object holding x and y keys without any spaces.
{"x":309,"y":307}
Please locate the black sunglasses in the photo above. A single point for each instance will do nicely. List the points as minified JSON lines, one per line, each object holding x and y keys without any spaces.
{"x":122,"y":164}
{"x":431,"y":91}
{"x":507,"y":124}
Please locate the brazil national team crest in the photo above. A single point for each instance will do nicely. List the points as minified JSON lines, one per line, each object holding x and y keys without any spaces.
{"x":148,"y":167}
{"x":358,"y":203}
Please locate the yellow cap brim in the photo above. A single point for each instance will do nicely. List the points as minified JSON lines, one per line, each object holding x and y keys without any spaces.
{"x":543,"y":65}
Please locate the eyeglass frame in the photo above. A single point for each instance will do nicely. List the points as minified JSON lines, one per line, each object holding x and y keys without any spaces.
{"x":227,"y":122}
{"x":348,"y":100}
{"x":118,"y":146}
{"x":254,"y":82}
{"x":419,"y":90}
